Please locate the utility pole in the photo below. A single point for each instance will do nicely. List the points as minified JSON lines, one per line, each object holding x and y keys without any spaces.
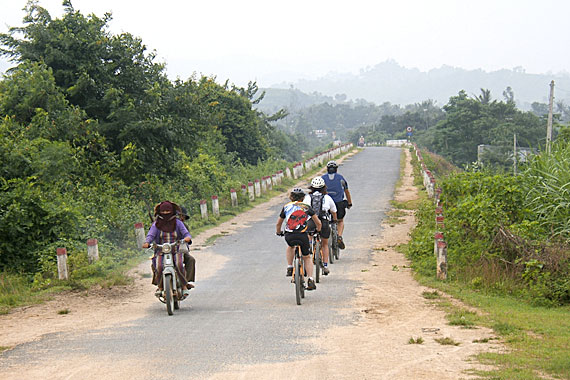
{"x":549,"y":122}
{"x":515,"y":154}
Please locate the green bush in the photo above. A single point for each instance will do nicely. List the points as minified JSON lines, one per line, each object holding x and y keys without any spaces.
{"x":504,"y":233}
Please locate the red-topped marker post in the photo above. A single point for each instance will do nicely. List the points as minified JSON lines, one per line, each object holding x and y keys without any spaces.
{"x":139,"y":234}
{"x":92,"y":250}
{"x":62,"y":271}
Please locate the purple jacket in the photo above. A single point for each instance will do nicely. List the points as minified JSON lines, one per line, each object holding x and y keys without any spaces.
{"x":181,"y":232}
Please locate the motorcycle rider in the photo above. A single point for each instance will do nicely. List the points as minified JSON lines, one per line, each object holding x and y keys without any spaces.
{"x":337,"y":188}
{"x":167,"y":229}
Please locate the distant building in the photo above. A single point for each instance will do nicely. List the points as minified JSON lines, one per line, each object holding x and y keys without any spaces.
{"x":396,"y":142}
{"x":494,"y":153}
{"x":320,"y":132}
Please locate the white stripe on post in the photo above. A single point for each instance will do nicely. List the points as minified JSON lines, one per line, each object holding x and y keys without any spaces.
{"x":257,"y":188}
{"x":62,"y":264}
{"x":204,"y":209}
{"x":215,"y":206}
{"x":139,"y":234}
{"x":288,"y":172}
{"x":431,"y":188}
{"x":263,"y":185}
{"x":441,"y":260}
{"x":233,"y":197}
{"x":92,"y":250}
{"x":250,"y":191}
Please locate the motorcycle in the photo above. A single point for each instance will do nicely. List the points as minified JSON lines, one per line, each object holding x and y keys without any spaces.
{"x":172,"y":292}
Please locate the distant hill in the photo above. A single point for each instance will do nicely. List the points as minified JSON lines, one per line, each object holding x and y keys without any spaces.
{"x":390,"y":82}
{"x":292,"y":99}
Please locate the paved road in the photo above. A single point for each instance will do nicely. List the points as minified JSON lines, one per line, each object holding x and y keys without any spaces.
{"x":246,"y":313}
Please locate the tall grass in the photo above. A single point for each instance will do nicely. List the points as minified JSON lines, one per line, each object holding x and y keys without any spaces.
{"x":548,"y":186}
{"x":14,"y":291}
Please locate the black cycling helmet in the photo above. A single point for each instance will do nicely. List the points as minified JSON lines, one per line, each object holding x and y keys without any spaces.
{"x":332,"y":167}
{"x":184,"y":213}
{"x":297,"y":194}
{"x":332,"y":164}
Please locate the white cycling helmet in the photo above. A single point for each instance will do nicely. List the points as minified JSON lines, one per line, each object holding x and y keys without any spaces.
{"x":317,"y":183}
{"x":332,"y":164}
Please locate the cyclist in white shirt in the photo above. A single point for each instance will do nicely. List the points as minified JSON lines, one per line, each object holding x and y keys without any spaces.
{"x":325,"y":209}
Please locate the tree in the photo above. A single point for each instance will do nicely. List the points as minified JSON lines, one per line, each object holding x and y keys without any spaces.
{"x":509,"y":95}
{"x":485,"y":97}
{"x":539,"y":109}
{"x":471,"y":122}
{"x":109,"y":77}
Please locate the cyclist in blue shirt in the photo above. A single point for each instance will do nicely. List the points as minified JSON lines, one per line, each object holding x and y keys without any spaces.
{"x":337,"y":188}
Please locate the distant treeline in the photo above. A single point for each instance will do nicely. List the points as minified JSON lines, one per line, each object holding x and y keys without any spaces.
{"x":454,"y":130}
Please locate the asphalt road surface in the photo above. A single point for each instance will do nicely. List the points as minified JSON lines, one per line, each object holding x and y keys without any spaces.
{"x":244,"y":314}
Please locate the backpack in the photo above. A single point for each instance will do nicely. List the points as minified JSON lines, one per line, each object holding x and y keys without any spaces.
{"x":317,"y":200}
{"x":297,"y":220}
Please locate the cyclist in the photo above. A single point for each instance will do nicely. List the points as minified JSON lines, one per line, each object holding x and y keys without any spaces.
{"x":324,"y":207}
{"x":295,"y":215}
{"x":337,"y":188}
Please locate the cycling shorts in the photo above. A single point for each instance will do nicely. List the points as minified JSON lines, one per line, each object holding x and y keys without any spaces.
{"x":301,"y":239}
{"x":325,"y":229}
{"x":341,"y":209}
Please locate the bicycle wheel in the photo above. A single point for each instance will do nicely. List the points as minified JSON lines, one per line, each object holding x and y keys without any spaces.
{"x":318,"y":263}
{"x":303,"y":276}
{"x":168,"y":297}
{"x":331,"y":256}
{"x":334,"y":240}
{"x":297,"y":274}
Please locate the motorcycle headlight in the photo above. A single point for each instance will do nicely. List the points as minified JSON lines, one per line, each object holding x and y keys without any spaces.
{"x":166,"y":248}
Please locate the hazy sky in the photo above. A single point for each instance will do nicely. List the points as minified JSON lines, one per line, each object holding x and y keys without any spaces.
{"x":271,"y":41}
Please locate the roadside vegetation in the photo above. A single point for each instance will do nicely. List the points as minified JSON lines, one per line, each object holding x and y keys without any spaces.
{"x":508,"y":255}
{"x":93,"y":134}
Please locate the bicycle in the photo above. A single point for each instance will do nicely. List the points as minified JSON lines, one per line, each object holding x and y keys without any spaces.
{"x":334,"y":251}
{"x":298,"y":277}
{"x":317,"y":258}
